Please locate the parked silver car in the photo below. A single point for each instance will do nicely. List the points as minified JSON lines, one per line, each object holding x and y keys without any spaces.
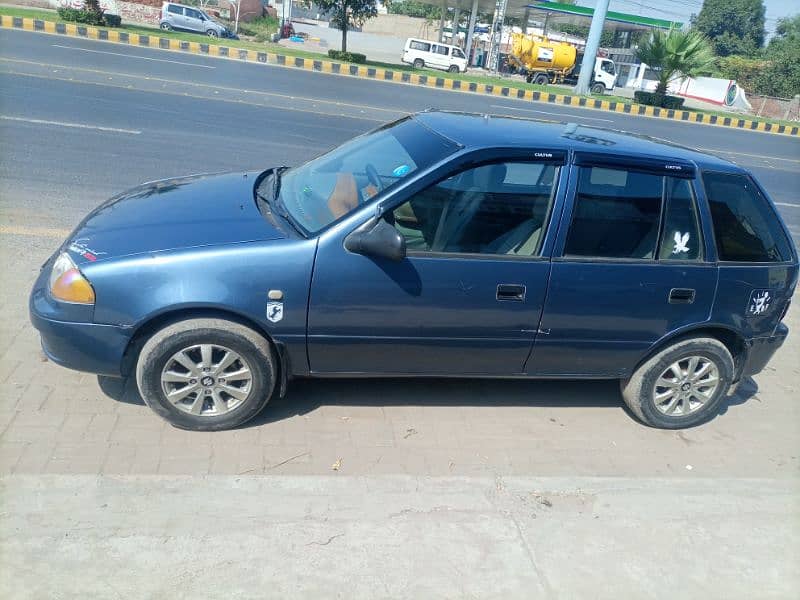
{"x":187,"y":18}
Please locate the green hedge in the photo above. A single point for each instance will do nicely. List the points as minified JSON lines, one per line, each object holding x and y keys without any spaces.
{"x":81,"y":15}
{"x":660,"y":100}
{"x":89,"y":17}
{"x":113,"y":20}
{"x":353,"y":57}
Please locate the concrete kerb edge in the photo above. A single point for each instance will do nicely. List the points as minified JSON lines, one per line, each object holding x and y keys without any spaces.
{"x":382,"y":74}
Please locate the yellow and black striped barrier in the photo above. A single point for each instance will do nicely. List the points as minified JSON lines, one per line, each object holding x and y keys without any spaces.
{"x":366,"y":72}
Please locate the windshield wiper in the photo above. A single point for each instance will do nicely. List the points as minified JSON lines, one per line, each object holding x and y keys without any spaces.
{"x":272,"y":198}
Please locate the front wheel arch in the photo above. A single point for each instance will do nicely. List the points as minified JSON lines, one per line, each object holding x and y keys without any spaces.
{"x":146,"y":329}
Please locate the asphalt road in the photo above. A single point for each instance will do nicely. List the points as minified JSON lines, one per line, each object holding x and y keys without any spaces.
{"x":139,"y":114}
{"x":352,"y":489}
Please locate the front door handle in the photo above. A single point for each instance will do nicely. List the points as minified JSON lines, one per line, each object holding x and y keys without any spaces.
{"x":511,"y":291}
{"x":681,"y":296}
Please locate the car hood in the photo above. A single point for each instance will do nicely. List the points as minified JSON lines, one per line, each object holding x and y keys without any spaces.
{"x":201,"y":210}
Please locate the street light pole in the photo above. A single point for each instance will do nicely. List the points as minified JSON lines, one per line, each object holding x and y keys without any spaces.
{"x":592,"y":45}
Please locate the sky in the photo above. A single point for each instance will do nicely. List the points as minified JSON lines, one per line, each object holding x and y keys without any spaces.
{"x":680,"y":10}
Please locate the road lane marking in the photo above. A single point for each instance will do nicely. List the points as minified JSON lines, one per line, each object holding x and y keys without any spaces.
{"x":74,"y":125}
{"x":175,"y":62}
{"x":361,"y":117}
{"x":48,"y":232}
{"x":215,"y":88}
{"x":761,"y":156}
{"x":787,"y":204}
{"x":544,"y":112}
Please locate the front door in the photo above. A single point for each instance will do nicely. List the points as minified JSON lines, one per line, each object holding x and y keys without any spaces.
{"x":632,"y":270}
{"x":468,"y":296}
{"x":193,"y":20}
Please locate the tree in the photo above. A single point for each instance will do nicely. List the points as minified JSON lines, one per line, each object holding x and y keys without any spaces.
{"x":782,"y":75}
{"x":346,"y":14}
{"x":675,"y":54}
{"x":733,"y":26}
{"x":415,"y":8}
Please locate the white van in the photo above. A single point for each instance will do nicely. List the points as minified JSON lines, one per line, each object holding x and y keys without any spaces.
{"x":422,"y":53}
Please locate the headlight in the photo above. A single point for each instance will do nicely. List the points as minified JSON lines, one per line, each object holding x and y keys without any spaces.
{"x":68,"y":284}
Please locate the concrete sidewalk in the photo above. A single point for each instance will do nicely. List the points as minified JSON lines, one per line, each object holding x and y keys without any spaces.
{"x":397,"y":537}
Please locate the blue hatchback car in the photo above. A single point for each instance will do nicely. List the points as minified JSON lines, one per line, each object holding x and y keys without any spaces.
{"x":443,"y":244}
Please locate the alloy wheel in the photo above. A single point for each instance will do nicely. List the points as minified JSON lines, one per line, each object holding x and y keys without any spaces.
{"x":206,"y":380}
{"x":686,"y":386}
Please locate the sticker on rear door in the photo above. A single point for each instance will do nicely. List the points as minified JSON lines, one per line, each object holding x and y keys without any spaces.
{"x":760,"y":302}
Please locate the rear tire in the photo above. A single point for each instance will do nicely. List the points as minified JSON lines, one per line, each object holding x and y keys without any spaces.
{"x":166,"y":27}
{"x":541,"y":79}
{"x":681,"y":386}
{"x":419,"y":63}
{"x":228,"y":386}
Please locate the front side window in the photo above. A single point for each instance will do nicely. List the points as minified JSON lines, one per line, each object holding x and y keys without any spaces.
{"x":329,"y":187}
{"x":607,"y":66}
{"x":458,"y":53}
{"x":616,"y":214}
{"x":745,"y":226}
{"x":497,"y":209}
{"x":192,"y":13}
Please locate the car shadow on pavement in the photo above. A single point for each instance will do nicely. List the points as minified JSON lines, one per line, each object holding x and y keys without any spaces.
{"x":305,"y":395}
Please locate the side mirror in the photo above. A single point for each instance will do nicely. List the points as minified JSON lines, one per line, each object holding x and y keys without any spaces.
{"x":378,"y":239}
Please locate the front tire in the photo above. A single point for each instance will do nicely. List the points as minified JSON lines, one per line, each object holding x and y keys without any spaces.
{"x":419,"y":63}
{"x":681,"y":386}
{"x":453,"y":69}
{"x":206,"y":374}
{"x":598,"y":88}
{"x":212,"y":33}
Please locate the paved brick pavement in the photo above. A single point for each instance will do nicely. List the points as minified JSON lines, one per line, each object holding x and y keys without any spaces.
{"x":57,"y":421}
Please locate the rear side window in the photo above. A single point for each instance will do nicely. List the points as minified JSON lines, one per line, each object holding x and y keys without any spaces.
{"x":634,"y":215}
{"x":443,"y":50}
{"x":175,"y":10}
{"x":680,"y":238}
{"x":745,"y":226}
{"x":617,"y":214}
{"x":415,"y":45}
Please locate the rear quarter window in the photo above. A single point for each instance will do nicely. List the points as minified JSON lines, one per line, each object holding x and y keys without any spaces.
{"x":746,"y":227}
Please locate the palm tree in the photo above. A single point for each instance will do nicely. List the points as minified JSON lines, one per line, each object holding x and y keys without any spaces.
{"x":674,"y":54}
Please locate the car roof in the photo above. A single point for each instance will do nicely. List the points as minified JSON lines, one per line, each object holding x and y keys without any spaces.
{"x":475,"y":131}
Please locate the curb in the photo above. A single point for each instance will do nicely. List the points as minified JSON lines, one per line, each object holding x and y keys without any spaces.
{"x":381,"y":74}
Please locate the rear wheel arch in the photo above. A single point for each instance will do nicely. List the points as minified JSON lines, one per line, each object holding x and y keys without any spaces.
{"x":732,"y":340}
{"x":145,"y":330}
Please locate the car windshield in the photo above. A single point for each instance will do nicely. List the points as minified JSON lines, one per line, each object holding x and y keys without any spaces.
{"x":329,"y":187}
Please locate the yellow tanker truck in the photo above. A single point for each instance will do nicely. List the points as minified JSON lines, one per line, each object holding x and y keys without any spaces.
{"x":544,"y":61}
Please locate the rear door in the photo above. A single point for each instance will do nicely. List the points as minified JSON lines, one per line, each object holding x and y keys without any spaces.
{"x":439,"y":56}
{"x":630,"y":267}
{"x":175,"y":16}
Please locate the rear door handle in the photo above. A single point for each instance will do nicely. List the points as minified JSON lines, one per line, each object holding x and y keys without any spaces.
{"x":511,"y":291}
{"x":681,"y":296}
